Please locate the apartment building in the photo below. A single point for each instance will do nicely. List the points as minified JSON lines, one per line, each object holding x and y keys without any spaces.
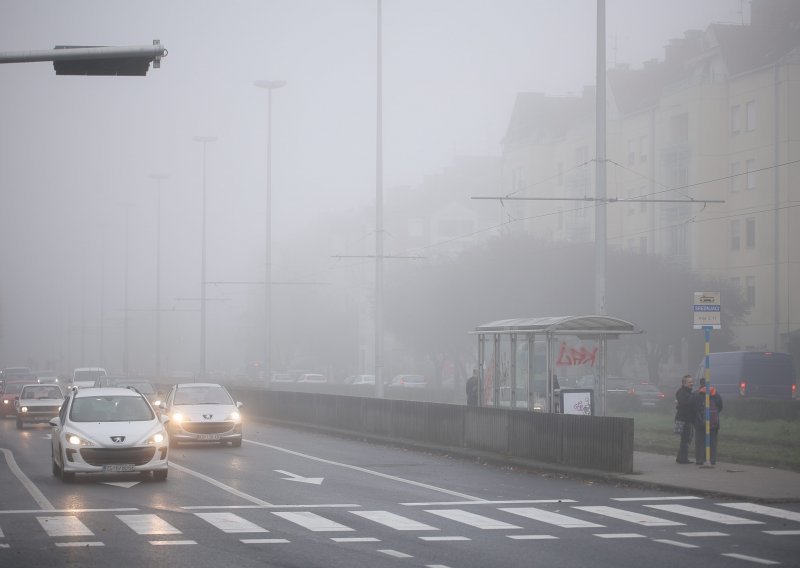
{"x":703,"y":154}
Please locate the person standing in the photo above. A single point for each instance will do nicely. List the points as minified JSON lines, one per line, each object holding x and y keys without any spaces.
{"x":472,"y":389}
{"x":699,"y":405}
{"x":685,"y":413}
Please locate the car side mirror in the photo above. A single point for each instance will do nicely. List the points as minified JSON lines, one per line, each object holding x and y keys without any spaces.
{"x":164,"y":418}
{"x":239,"y":404}
{"x":55,"y":421}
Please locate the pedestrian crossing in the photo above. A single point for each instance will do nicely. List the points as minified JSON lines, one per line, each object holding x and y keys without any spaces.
{"x":453,"y":524}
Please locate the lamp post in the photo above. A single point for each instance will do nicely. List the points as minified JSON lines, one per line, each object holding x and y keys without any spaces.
{"x":203,"y":140}
{"x":269,"y":86}
{"x":158,"y":178}
{"x":127,"y":207}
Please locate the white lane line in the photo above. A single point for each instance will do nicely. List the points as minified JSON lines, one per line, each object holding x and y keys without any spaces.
{"x":675,"y":543}
{"x":763,"y":510}
{"x":3,"y":545}
{"x":1,"y":533}
{"x":368,"y":471}
{"x":631,"y":517}
{"x":28,"y":511}
{"x":304,"y":506}
{"x":263,"y":540}
{"x":395,"y":553}
{"x":356,"y":539}
{"x":436,"y":566}
{"x":230,"y":523}
{"x":64,"y":526}
{"x":703,"y":534}
{"x":171,"y":542}
{"x":783,"y":533}
{"x":220,"y":485}
{"x":312,"y":521}
{"x":443,"y":538}
{"x":621,"y":535}
{"x":751,"y":559}
{"x":37,"y":495}
{"x":396,"y":522}
{"x":532,"y":537}
{"x":471,"y":519}
{"x":674,"y":498}
{"x":79,"y":544}
{"x":551,"y":518}
{"x":516,"y":502}
{"x":148,"y":524}
{"x":705,"y":515}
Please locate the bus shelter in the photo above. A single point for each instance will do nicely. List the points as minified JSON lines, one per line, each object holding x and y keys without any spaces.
{"x":547,"y":364}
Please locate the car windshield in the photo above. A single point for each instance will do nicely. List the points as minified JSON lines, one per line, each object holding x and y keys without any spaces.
{"x":202,"y":395}
{"x":110,"y":409}
{"x":144,"y":388}
{"x":41,"y":392}
{"x":13,"y":388}
{"x":87,"y":375}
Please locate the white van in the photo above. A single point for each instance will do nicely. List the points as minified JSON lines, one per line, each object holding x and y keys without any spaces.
{"x":83,"y":377}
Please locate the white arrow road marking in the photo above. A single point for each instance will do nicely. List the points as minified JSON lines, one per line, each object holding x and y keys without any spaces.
{"x":300,"y":478}
{"x":124,"y":484}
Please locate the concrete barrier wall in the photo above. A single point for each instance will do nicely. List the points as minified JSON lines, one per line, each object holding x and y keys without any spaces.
{"x":586,"y":442}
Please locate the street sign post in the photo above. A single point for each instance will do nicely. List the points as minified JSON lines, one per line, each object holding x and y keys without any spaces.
{"x":707,"y":312}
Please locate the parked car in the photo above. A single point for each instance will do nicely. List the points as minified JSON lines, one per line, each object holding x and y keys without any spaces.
{"x":648,"y":394}
{"x":409,"y":381}
{"x":38,"y":403}
{"x":203,"y":412}
{"x":281,"y":378}
{"x":12,"y":372}
{"x":108,"y":430}
{"x":83,"y":377}
{"x":360,"y":380}
{"x":312,"y":378}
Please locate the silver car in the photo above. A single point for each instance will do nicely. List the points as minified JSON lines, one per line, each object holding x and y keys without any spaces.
{"x":108,"y":430}
{"x":203,"y":412}
{"x":38,"y":403}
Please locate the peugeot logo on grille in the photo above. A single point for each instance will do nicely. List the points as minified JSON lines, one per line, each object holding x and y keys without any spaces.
{"x":208,"y":416}
{"x":117,"y":439}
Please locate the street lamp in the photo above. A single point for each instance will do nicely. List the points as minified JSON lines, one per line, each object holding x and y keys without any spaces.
{"x":158,"y":178}
{"x":127,"y":207}
{"x":203,"y":140}
{"x":269,"y":86}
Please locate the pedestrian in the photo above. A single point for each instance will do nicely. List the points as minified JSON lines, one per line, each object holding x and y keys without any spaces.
{"x":684,"y":415}
{"x":472,"y":389}
{"x":699,"y":405}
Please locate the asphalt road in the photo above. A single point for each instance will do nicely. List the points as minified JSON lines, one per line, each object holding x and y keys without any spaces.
{"x":296,"y":498}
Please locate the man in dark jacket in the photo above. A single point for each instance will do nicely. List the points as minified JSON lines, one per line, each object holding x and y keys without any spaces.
{"x":685,"y":413}
{"x":472,"y":389}
{"x":699,"y":403}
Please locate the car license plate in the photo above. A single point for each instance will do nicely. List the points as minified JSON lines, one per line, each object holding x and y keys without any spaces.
{"x":208,"y":436}
{"x":117,"y":467}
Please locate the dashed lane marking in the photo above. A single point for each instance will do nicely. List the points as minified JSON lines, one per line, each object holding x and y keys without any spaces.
{"x":675,"y":543}
{"x":751,"y":559}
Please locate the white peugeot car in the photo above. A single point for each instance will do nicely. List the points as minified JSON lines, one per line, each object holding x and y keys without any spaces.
{"x":108,"y":430}
{"x":203,"y":412}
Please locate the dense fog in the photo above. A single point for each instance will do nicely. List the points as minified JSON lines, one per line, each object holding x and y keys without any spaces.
{"x":81,"y":160}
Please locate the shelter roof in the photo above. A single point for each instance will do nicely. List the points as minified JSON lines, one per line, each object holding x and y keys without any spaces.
{"x":576,"y":325}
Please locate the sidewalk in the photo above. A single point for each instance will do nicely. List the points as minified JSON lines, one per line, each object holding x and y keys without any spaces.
{"x":731,"y":480}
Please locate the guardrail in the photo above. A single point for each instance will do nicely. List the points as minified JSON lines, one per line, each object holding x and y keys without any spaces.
{"x":584,"y":442}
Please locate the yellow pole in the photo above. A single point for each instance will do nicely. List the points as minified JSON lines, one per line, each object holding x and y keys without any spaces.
{"x":708,"y":396}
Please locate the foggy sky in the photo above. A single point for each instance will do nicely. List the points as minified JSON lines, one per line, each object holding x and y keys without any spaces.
{"x":73,"y":148}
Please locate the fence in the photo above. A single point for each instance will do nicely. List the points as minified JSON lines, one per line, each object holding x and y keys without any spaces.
{"x":586,"y":442}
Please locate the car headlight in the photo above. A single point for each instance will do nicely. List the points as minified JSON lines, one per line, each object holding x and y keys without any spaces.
{"x":236,"y":417}
{"x":76,"y":440}
{"x":157,"y":438}
{"x":5,"y":401}
{"x":24,"y":409}
{"x":177,"y":417}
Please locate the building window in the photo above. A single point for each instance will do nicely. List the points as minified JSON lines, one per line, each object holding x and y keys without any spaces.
{"x":736,"y":177}
{"x":750,"y":290}
{"x":736,"y":235}
{"x":643,"y":149}
{"x":736,"y":119}
{"x":750,"y":115}
{"x":679,"y":129}
{"x":631,"y":154}
{"x":750,"y":232}
{"x":750,"y":169}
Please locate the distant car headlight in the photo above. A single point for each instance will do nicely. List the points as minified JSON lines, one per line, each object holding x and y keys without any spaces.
{"x":24,"y":409}
{"x":76,"y":440}
{"x":236,"y":417}
{"x":5,"y":401}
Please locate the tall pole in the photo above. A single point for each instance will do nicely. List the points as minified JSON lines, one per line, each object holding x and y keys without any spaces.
{"x":158,"y":178}
{"x":600,"y":164}
{"x":125,"y":360}
{"x":379,"y":221}
{"x":269,"y":86}
{"x":204,"y":140}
